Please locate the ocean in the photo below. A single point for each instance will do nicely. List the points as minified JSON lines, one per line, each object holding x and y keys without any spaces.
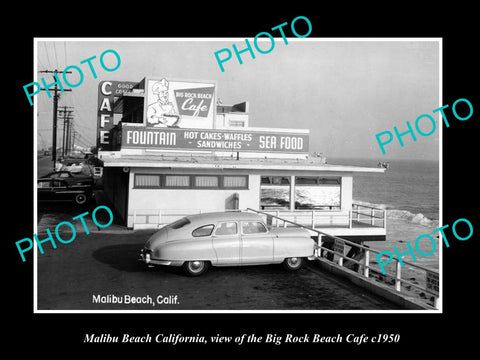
{"x":409,"y":189}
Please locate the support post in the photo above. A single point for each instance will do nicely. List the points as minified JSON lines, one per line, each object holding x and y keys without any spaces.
{"x":320,"y":243}
{"x":366,"y":271}
{"x":398,"y":277}
{"x":292,"y":193}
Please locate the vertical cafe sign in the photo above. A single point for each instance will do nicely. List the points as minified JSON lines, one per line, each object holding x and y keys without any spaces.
{"x":108,"y":92}
{"x":179,"y":104}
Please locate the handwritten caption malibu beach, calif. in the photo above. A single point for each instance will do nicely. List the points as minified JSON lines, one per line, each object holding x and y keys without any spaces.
{"x":132,"y":300}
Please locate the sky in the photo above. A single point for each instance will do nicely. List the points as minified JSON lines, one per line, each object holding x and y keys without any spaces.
{"x":344,"y":92}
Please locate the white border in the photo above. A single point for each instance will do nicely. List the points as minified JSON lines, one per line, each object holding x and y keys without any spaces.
{"x":307,"y":39}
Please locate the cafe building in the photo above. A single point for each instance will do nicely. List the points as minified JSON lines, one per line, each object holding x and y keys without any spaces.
{"x":170,"y":148}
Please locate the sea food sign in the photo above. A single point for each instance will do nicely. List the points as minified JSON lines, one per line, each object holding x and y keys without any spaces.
{"x":179,"y":104}
{"x":218,"y":140}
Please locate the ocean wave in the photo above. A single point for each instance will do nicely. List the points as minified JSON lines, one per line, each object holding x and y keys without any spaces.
{"x":418,"y":218}
{"x":392,"y":213}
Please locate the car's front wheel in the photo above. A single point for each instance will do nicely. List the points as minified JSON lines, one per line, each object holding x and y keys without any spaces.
{"x":195,"y":268}
{"x":293,"y":263}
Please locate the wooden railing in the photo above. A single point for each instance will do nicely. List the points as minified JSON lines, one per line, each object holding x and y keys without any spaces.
{"x":334,"y":249}
{"x":368,"y":214}
{"x":359,"y":214}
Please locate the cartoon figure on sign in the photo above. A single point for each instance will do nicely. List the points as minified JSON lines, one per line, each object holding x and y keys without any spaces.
{"x":162,"y":113}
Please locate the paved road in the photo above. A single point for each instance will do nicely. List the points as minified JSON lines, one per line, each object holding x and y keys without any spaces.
{"x":104,"y":263}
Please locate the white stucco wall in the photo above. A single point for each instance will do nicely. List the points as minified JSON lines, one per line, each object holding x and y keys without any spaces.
{"x":186,"y":201}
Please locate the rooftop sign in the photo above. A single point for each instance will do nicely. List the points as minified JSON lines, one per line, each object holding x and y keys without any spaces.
{"x":219,"y":140}
{"x":179,"y":104}
{"x":108,"y":91}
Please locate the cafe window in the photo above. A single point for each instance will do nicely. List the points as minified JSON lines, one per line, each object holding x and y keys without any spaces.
{"x":275,"y":192}
{"x":235,"y":182}
{"x":236,"y":123}
{"x":206,"y":181}
{"x":163,"y":181}
{"x":177,"y":181}
{"x":317,"y":193}
{"x":147,"y":181}
{"x":275,"y":180}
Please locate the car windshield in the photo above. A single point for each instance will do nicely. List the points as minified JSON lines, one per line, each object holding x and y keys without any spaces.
{"x":43,"y":184}
{"x":179,"y":223}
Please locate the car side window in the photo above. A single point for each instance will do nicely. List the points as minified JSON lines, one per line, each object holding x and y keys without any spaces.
{"x":253,"y":227}
{"x":226,"y":228}
{"x":205,"y":230}
{"x":43,"y":184}
{"x":57,"y":184}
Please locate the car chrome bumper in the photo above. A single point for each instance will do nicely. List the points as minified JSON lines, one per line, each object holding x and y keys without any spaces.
{"x":316,"y":253}
{"x":148,"y":260}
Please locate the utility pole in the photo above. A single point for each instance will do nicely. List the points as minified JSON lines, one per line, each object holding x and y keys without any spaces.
{"x":67,"y":138}
{"x":55,"y":110}
{"x":66,"y":122}
{"x":73,"y":140}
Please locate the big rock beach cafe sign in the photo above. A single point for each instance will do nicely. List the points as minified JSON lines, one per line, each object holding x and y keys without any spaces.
{"x":180,"y":115}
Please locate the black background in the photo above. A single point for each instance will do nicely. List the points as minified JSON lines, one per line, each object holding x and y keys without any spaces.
{"x":60,"y":335}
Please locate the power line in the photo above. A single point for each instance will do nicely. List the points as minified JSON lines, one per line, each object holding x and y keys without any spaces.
{"x":55,"y":52}
{"x":41,"y":64}
{"x":65,"y":50}
{"x":55,"y":111}
{"x":46,"y":52}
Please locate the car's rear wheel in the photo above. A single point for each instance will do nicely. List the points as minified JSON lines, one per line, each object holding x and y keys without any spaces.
{"x":293,"y":263}
{"x":81,"y":199}
{"x":195,"y":268}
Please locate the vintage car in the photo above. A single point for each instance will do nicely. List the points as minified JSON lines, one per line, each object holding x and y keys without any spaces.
{"x":69,"y":177}
{"x":55,"y":189}
{"x":231,"y":238}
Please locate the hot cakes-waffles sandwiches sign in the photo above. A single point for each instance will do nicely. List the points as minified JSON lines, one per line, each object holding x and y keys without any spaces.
{"x":220,"y":140}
